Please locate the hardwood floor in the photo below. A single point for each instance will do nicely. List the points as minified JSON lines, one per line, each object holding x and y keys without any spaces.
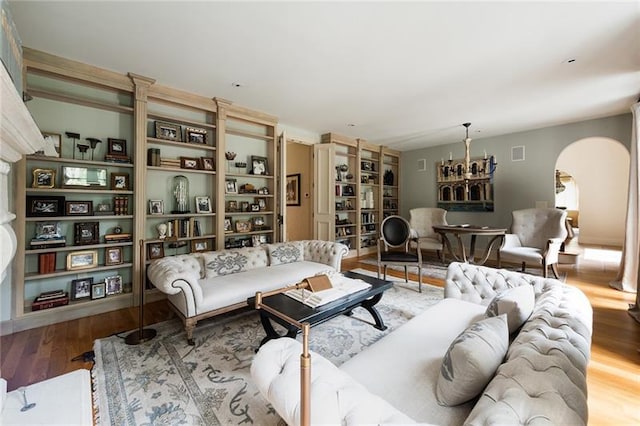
{"x":613,"y":376}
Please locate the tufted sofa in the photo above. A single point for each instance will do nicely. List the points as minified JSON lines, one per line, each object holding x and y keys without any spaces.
{"x":201,"y":285}
{"x":540,"y":380}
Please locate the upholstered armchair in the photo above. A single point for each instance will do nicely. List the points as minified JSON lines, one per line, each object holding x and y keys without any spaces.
{"x":394,"y":249}
{"x":422,"y":220}
{"x":536,"y":237}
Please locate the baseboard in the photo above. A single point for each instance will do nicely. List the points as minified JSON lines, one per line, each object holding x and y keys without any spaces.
{"x":6,"y":327}
{"x":611,"y":242}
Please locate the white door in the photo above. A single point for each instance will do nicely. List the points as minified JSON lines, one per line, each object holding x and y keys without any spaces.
{"x":323,"y":192}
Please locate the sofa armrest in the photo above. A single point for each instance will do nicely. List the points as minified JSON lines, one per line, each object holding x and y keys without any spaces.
{"x":326,"y":252}
{"x":336,"y":398}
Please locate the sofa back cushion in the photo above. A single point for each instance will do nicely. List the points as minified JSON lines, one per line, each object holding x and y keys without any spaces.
{"x":472,"y":360}
{"x":285,"y":252}
{"x":225,"y":262}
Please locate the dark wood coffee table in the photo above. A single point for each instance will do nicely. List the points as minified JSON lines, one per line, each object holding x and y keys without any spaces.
{"x":314,"y":316}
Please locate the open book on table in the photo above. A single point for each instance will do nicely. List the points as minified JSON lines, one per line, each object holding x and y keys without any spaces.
{"x":341,"y":286}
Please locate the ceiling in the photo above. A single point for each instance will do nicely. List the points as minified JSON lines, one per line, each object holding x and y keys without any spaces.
{"x":406,"y":75}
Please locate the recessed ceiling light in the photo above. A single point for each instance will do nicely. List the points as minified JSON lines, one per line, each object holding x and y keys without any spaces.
{"x":351,"y":125}
{"x":569,"y":61}
{"x":236,"y":84}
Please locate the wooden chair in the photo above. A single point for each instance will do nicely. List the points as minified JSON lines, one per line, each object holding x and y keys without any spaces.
{"x":394,"y":247}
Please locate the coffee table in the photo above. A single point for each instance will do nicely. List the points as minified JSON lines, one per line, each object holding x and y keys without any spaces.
{"x":314,"y":316}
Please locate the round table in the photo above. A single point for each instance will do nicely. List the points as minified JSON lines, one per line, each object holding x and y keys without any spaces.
{"x":473,"y":230}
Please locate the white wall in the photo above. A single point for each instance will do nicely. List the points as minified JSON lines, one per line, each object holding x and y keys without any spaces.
{"x":600,"y":167}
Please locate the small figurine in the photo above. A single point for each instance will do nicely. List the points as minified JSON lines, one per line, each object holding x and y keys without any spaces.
{"x":162,"y":231}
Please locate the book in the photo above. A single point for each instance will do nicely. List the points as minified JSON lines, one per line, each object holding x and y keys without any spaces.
{"x":341,"y":286}
{"x":53,"y":294}
{"x":50,"y":303}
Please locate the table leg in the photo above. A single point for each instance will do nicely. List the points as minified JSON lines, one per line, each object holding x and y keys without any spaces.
{"x":369,"y":306}
{"x":486,"y":254}
{"x":271,"y":333}
{"x":472,"y":248}
{"x":447,"y":244}
{"x":463,"y":255}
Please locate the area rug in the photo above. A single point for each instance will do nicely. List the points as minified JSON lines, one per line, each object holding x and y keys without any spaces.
{"x":165,"y":381}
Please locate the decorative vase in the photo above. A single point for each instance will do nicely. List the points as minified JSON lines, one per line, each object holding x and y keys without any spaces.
{"x":181,"y":194}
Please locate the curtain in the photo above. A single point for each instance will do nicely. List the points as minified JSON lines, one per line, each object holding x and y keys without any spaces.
{"x":627,"y":279}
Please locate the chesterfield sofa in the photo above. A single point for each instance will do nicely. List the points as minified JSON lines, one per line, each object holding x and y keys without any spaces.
{"x":202,"y":285}
{"x":419,"y":374}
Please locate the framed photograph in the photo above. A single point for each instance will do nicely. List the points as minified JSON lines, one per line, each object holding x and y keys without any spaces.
{"x":255,"y":240}
{"x":263,"y":191}
{"x":86,"y":233}
{"x":45,"y":205}
{"x":348,"y":191}
{"x":82,"y":260}
{"x":262,"y":203}
{"x":104,"y":208}
{"x":193,"y":135}
{"x":243,"y":226}
{"x":81,"y":288}
{"x":98,"y":291}
{"x":258,"y":165}
{"x":199,"y":245}
{"x":231,"y":186}
{"x":244,"y":206}
{"x":54,"y":140}
{"x":48,"y":231}
{"x":83,"y":177}
{"x":189,"y":163}
{"x":78,"y":208}
{"x":293,"y":190}
{"x":44,"y":178}
{"x":203,"y":205}
{"x":156,"y":207}
{"x":155,"y":250}
{"x":207,"y":163}
{"x":117,"y":147}
{"x":113,"y":256}
{"x":228,"y":225}
{"x":120,"y":181}
{"x":168,"y":131}
{"x":257,"y":221}
{"x":113,"y":284}
{"x":232,"y":206}
{"x":255,"y":207}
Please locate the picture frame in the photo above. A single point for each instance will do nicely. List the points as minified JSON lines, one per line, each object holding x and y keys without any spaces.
{"x":232,"y":206}
{"x":116,"y":147}
{"x":155,"y":250}
{"x":230,"y":186}
{"x":55,"y":140}
{"x":207,"y":163}
{"x":48,"y":231}
{"x":81,"y":288}
{"x":113,"y":256}
{"x":84,"y":259}
{"x":84,"y":177}
{"x":194,"y":135}
{"x":257,"y":222}
{"x":293,"y":189}
{"x":45,"y":206}
{"x":228,"y":225}
{"x":199,"y":245}
{"x":168,"y":131}
{"x":203,"y":205}
{"x":156,"y":207}
{"x":120,"y":181}
{"x":189,"y":163}
{"x":255,"y":207}
{"x":263,"y":191}
{"x":113,"y":284}
{"x":244,"y":206}
{"x":242,"y":226}
{"x":44,"y":178}
{"x":104,"y":208}
{"x":78,"y":208}
{"x":348,"y":191}
{"x":259,"y":165}
{"x":262,"y":203}
{"x":86,"y":233}
{"x":98,"y":291}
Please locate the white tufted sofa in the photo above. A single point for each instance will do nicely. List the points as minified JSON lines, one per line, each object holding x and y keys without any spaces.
{"x":542,"y":379}
{"x":201,"y":285}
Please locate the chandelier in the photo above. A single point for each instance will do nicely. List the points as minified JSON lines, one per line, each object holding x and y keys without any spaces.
{"x":486,"y":167}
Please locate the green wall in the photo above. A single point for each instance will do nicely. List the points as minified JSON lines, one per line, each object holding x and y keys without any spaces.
{"x":517,"y":184}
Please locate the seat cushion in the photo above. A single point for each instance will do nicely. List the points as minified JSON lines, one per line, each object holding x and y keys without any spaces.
{"x":413,"y":354}
{"x":517,"y":303}
{"x":472,"y":360}
{"x":393,"y":256}
{"x":521,"y":254}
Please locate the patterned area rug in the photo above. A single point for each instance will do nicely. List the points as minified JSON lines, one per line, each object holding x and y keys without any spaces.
{"x":165,"y":381}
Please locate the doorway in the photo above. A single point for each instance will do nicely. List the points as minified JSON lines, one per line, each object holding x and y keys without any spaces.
{"x":599,"y":168}
{"x":299,"y":218}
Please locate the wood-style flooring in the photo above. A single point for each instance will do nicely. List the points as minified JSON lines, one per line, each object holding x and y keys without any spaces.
{"x":613,"y":377}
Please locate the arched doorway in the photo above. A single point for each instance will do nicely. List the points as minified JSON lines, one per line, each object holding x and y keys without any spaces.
{"x":597,"y":170}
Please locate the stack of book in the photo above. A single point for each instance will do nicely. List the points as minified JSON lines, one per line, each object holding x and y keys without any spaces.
{"x":182,"y":228}
{"x":170,"y":162}
{"x":50,"y":299}
{"x":153,"y":157}
{"x":121,"y":205}
{"x":117,"y":238}
{"x":48,"y":243}
{"x":46,"y":263}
